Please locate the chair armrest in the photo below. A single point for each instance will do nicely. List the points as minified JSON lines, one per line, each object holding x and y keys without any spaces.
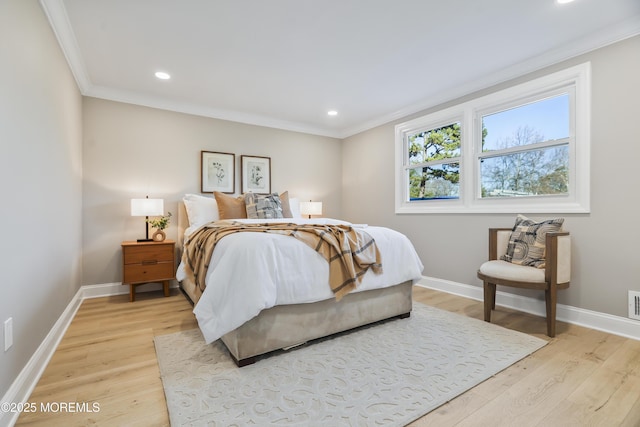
{"x":498,"y":242}
{"x":558,"y":257}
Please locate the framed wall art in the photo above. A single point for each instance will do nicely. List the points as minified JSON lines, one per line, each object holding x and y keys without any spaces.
{"x":217,"y":172}
{"x":256,"y":174}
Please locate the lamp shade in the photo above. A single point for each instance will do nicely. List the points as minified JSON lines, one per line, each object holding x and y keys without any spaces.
{"x":311,"y":208}
{"x":147,"y":207}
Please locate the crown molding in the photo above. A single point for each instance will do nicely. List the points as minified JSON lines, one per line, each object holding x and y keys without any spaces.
{"x":59,"y":21}
{"x":627,"y":29}
{"x":131,"y":97}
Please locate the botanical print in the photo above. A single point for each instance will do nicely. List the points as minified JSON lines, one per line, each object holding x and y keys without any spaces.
{"x":256,"y":176}
{"x":217,"y":174}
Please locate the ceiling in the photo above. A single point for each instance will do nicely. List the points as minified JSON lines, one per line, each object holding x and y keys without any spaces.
{"x":286,"y":63}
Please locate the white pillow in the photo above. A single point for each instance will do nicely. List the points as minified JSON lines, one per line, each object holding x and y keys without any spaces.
{"x":294,"y":205}
{"x":200,"y":209}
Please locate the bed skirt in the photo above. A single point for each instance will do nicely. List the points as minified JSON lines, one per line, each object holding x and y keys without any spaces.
{"x":285,"y":326}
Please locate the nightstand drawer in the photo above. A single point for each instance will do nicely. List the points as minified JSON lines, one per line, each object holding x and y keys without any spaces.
{"x":148,"y":253}
{"x":148,"y":262}
{"x":148,"y":272}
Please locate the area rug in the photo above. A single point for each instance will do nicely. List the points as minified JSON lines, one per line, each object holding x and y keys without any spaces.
{"x":388,"y":374}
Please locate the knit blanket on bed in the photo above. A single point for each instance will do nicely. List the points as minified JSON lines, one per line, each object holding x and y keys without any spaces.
{"x":350,"y":252}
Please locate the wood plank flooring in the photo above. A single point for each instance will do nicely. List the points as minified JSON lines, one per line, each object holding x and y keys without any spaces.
{"x":107,"y":356}
{"x":582,"y":377}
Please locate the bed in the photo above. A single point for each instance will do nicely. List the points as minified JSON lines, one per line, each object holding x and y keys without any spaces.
{"x":258,"y":312}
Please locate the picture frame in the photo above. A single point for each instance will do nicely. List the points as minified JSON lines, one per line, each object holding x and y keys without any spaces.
{"x":217,"y":172}
{"x":255,"y":174}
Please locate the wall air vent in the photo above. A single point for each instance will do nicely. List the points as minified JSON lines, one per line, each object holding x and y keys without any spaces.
{"x":634,"y":305}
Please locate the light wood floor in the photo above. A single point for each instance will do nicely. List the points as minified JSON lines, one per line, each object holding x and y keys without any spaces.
{"x":581,"y":378}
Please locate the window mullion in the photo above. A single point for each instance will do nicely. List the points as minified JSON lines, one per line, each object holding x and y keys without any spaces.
{"x":524,"y":148}
{"x":529,"y":176}
{"x":434,"y":163}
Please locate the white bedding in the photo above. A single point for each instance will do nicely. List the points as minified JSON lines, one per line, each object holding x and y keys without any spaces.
{"x":251,"y":272}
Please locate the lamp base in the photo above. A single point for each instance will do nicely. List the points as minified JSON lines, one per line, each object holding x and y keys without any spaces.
{"x":146,"y":231}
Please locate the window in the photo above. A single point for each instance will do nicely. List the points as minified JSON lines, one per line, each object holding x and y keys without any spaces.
{"x":523,"y":149}
{"x":434,"y":163}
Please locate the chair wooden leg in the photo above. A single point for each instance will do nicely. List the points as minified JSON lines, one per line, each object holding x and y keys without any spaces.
{"x":489,"y":300}
{"x":493,"y":295}
{"x":551,"y":296}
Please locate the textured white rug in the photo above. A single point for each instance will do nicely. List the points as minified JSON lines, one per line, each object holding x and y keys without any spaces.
{"x":385,"y":375}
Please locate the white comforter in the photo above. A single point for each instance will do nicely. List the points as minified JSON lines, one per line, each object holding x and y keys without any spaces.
{"x":250,"y":272}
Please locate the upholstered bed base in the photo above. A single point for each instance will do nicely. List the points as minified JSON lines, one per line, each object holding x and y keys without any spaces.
{"x":286,"y":326}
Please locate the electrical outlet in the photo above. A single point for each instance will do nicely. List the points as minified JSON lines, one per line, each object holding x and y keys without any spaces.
{"x":634,"y":305}
{"x":8,"y":333}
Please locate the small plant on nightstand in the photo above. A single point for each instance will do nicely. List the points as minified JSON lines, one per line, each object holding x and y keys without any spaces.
{"x":160,"y":224}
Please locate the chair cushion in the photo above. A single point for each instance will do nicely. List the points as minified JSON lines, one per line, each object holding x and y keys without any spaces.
{"x":508,"y":271}
{"x":527,"y":243}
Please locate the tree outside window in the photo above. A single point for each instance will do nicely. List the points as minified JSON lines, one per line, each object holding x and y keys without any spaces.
{"x":521,"y":160}
{"x":434,"y":156}
{"x":522,"y":149}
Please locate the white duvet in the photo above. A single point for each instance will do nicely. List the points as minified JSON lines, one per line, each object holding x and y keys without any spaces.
{"x":250,"y":272}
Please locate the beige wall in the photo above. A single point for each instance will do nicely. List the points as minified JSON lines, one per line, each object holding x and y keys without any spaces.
{"x":132,"y":151}
{"x":41,"y":179}
{"x":452,"y":246}
{"x":70,"y":165}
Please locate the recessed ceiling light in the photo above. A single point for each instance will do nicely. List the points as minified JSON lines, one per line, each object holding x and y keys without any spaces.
{"x":563,"y":1}
{"x":332,"y":113}
{"x":162,"y":75}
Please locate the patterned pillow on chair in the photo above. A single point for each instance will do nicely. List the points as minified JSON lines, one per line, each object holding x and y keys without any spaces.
{"x":527,"y":241}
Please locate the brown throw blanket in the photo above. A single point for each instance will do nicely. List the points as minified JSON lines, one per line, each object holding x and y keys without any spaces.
{"x":350,"y":252}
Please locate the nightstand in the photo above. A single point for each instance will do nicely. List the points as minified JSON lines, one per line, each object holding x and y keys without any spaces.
{"x":146,"y":262}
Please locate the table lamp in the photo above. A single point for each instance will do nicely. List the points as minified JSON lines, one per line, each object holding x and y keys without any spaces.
{"x":310,"y":208}
{"x":147,"y":207}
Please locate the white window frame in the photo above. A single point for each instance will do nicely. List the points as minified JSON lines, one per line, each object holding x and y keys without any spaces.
{"x":437,"y":121}
{"x":576,"y":81}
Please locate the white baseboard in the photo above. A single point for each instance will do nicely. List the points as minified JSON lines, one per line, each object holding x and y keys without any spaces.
{"x":109,"y":289}
{"x":565,"y":313}
{"x":26,"y":381}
